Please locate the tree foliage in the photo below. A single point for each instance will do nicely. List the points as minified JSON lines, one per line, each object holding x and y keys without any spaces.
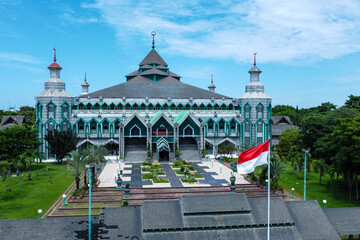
{"x":61,"y":143}
{"x":16,"y":140}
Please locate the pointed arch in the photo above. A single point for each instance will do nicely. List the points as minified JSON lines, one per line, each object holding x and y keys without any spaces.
{"x":104,"y":106}
{"x":120,"y":106}
{"x":115,"y":126}
{"x":65,"y":110}
{"x":158,"y":106}
{"x":209,"y":107}
{"x":247,"y":110}
{"x":202,"y":107}
{"x":127,"y":106}
{"x":89,"y":106}
{"x":151,"y":106}
{"x":112,"y":106}
{"x":210,"y":125}
{"x":105,"y":126}
{"x":135,"y":106}
{"x":221,"y":123}
{"x":143,"y":107}
{"x":260,"y":110}
{"x":94,"y":126}
{"x":81,"y":126}
{"x":223,"y":107}
{"x":165,"y":106}
{"x":173,"y":107}
{"x":180,"y":107}
{"x":65,"y":125}
{"x":51,"y":109}
{"x":216,"y":107}
{"x":187,"y":107}
{"x":230,"y":107}
{"x":194,"y":107}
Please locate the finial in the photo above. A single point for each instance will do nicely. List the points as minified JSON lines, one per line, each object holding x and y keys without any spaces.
{"x":85,"y":76}
{"x":212,"y":78}
{"x":255,"y":58}
{"x":153,"y":33}
{"x":54,"y":54}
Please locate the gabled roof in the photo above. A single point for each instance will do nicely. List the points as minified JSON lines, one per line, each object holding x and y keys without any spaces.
{"x":140,"y":87}
{"x":153,"y":57}
{"x":154,"y":71}
{"x":277,"y":119}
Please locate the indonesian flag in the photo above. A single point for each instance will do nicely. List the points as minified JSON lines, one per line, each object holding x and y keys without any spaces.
{"x":253,"y":157}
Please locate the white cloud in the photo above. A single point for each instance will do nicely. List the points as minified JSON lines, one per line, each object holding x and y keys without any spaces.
{"x":280,"y":31}
{"x":18,"y":57}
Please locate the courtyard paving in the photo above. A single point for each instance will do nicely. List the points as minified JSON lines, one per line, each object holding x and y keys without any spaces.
{"x":214,"y":173}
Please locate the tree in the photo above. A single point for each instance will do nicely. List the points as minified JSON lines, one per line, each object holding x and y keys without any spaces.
{"x":94,"y":154}
{"x":290,"y":140}
{"x":29,"y":113}
{"x":332,"y":171}
{"x":346,"y":139}
{"x":276,"y":166}
{"x":353,"y":102}
{"x":16,"y":140}
{"x":61,"y":143}
{"x":285,"y":110}
{"x":321,"y":167}
{"x":77,"y":162}
{"x":226,"y":148}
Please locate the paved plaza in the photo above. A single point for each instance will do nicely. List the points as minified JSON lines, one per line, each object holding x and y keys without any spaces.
{"x":214,"y":173}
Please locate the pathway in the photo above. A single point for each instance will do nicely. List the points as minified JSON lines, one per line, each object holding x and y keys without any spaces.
{"x":170,"y":174}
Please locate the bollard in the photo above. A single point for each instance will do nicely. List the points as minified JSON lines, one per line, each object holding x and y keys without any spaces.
{"x":292,"y":189}
{"x":39,"y":212}
{"x":324,"y":201}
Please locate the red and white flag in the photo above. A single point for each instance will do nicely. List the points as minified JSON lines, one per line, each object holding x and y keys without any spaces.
{"x":253,"y":157}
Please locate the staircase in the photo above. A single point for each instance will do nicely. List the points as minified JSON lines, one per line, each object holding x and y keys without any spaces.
{"x":189,"y":152}
{"x":135,"y":153}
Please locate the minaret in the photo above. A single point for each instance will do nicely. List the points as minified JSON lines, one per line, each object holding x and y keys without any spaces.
{"x":85,"y":87}
{"x":212,"y":86}
{"x":254,"y":85}
{"x":54,"y":82}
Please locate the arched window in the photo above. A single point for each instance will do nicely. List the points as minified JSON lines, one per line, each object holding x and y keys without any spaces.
{"x":135,"y":106}
{"x":216,"y":107}
{"x":158,"y":106}
{"x":233,"y":126}
{"x":202,"y":106}
{"x":88,"y":106}
{"x":194,"y":107}
{"x":172,"y":107}
{"x":222,"y":126}
{"x":162,"y":131}
{"x":223,"y":107}
{"x":116,"y":126}
{"x":188,"y":131}
{"x":151,"y":107}
{"x":120,"y":106}
{"x":51,"y":110}
{"x":104,"y":106}
{"x":260,"y":111}
{"x":208,"y":107}
{"x":51,"y":126}
{"x":247,"y":111}
{"x":65,"y":110}
{"x":143,"y":107}
{"x":81,"y":126}
{"x":210,"y":126}
{"x":112,"y":106}
{"x":64,"y":126}
{"x":166,"y":107}
{"x":97,"y":106}
{"x":247,"y":127}
{"x":231,"y":107}
{"x":259,"y":127}
{"x":105,"y":126}
{"x":187,"y":106}
{"x":81,"y":106}
{"x":135,"y":131}
{"x":93,"y":127}
{"x":180,"y":107}
{"x":128,"y":106}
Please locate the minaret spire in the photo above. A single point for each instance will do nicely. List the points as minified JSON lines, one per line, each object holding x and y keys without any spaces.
{"x":153,"y":33}
{"x":212,"y":86}
{"x":255,"y":58}
{"x":54,"y":54}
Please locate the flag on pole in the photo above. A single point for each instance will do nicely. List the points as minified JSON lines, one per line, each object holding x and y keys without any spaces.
{"x":253,"y":157}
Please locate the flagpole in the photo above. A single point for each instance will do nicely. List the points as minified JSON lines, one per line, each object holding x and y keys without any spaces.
{"x":268,"y":228}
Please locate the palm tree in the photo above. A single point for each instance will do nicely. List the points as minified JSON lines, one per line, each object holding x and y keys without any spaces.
{"x":61,"y":143}
{"x":94,"y":154}
{"x":276,"y":167}
{"x":203,"y":152}
{"x":332,"y":171}
{"x":77,"y":162}
{"x":39,"y":156}
{"x":321,"y":167}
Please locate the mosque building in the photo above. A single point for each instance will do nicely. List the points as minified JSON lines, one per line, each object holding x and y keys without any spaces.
{"x":154,"y":111}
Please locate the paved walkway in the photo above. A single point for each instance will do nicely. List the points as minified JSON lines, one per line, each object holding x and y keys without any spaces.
{"x":170,"y":174}
{"x":215,"y":174}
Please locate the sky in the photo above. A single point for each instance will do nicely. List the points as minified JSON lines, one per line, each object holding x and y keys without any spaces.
{"x":308,"y":51}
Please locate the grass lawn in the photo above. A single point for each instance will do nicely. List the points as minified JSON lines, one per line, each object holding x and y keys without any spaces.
{"x":315,"y":191}
{"x":39,"y":193}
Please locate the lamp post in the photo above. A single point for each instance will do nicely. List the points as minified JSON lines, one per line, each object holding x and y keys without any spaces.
{"x":292,"y":189}
{"x":324,"y":201}
{"x":89,"y":166}
{"x":64,"y":197}
{"x":39,"y":212}
{"x":305,"y":151}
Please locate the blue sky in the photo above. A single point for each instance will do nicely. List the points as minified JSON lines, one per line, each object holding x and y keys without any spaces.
{"x":309,"y":51}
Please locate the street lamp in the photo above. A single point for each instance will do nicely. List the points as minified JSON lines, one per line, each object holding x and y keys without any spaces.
{"x":64,"y":196}
{"x":293,"y":189}
{"x":305,"y":151}
{"x":89,"y":166}
{"x":39,"y":212}
{"x":324,"y":201}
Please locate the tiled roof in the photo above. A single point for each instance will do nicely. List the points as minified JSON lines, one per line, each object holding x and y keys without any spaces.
{"x":153,"y":57}
{"x":54,"y":65}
